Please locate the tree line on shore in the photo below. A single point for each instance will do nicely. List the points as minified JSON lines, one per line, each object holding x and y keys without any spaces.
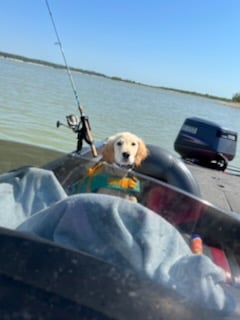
{"x":235,"y":98}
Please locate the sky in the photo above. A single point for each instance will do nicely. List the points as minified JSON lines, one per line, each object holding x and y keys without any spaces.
{"x":191,"y":45}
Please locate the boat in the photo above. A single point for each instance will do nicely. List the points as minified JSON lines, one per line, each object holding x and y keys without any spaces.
{"x":89,"y":256}
{"x":175,"y":254}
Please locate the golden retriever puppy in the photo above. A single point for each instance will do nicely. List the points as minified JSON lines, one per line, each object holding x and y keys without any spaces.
{"x":120,"y":155}
{"x":125,"y":150}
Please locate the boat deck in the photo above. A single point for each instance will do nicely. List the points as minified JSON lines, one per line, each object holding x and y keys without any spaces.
{"x":222,"y":189}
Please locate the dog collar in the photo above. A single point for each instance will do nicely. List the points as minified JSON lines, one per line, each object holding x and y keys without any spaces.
{"x":123,"y":166}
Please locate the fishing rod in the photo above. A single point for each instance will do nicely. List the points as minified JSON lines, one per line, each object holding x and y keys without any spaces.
{"x":84,"y":133}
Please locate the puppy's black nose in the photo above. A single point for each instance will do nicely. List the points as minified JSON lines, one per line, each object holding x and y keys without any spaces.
{"x":125,"y":155}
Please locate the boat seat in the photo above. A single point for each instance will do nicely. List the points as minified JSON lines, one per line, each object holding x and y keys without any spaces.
{"x":165,"y":166}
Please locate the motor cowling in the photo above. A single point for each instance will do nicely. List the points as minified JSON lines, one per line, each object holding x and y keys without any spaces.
{"x":206,"y":143}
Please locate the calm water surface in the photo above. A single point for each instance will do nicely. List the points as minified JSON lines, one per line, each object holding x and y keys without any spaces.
{"x":34,"y":97}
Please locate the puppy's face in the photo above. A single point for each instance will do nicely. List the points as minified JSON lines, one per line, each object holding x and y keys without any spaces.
{"x":125,"y":149}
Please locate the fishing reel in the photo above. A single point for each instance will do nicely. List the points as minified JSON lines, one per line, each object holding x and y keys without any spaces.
{"x":82,"y":128}
{"x":73,"y":123}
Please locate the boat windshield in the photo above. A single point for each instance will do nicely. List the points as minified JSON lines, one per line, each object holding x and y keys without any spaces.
{"x":167,"y":254}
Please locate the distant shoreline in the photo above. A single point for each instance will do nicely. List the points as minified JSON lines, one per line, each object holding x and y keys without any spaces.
{"x":230,"y":103}
{"x":222,"y":100}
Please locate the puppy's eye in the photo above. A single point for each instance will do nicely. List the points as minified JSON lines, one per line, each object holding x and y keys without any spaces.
{"x":119,"y":143}
{"x":134,"y":144}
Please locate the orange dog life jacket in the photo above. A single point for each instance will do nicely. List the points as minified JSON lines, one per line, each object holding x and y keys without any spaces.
{"x":97,"y":178}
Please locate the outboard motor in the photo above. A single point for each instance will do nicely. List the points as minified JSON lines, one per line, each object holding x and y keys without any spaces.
{"x":206,"y":143}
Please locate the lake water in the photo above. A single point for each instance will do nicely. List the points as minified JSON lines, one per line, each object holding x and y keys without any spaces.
{"x":33,"y":97}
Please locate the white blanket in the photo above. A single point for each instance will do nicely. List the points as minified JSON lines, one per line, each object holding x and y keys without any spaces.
{"x":26,"y":191}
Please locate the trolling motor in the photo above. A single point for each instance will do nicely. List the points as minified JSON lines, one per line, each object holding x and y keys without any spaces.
{"x":82,"y":128}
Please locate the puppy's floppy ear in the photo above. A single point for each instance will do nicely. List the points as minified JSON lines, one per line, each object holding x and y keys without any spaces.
{"x":142,"y":152}
{"x":108,"y":150}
